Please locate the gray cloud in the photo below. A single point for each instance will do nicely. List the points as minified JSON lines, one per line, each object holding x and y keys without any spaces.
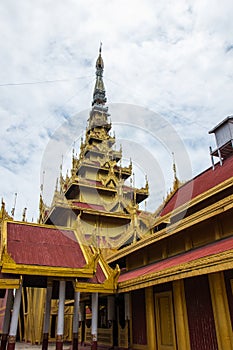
{"x":174,"y":58}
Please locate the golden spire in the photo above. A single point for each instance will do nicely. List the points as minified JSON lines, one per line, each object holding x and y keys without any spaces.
{"x":3,"y":209}
{"x":13,"y":209}
{"x":176,"y":182}
{"x":42,"y":184}
{"x":100,"y":62}
{"x":147,"y":183}
{"x":99,"y":91}
{"x":56,"y":185}
{"x":24,"y":214}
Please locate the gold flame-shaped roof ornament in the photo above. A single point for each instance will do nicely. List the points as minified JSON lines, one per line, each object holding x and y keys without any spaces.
{"x":99,"y":90}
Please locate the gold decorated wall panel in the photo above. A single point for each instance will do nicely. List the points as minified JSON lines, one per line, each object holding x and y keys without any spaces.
{"x":91,"y":174}
{"x":103,"y":226}
{"x":226,"y":223}
{"x":155,"y":252}
{"x":176,"y":245}
{"x":135,"y":260}
{"x":68,"y":321}
{"x":123,"y":336}
{"x":89,"y":195}
{"x":202,"y":233}
{"x":33,"y":310}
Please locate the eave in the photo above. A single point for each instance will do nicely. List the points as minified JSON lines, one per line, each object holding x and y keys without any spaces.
{"x":108,"y":286}
{"x":115,"y":154}
{"x":204,"y":214}
{"x":208,"y":264}
{"x":23,"y":264}
{"x":88,"y":211}
{"x":196,"y":200}
{"x":93,"y":185}
{"x":10,"y":282}
{"x":49,"y":271}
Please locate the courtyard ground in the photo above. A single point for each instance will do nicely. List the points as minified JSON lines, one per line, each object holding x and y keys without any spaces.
{"x":26,"y":346}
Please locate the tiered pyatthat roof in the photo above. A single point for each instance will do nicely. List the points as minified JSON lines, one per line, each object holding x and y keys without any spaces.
{"x":97,"y":186}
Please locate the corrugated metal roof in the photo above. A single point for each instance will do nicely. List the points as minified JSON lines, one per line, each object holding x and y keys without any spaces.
{"x":45,"y":246}
{"x":210,"y":249}
{"x":99,"y":275}
{"x":200,"y":184}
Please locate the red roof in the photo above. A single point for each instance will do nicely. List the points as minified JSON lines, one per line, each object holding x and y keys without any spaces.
{"x":44,"y":246}
{"x":210,"y":249}
{"x":99,"y":276}
{"x":200,"y":184}
{"x":89,"y":206}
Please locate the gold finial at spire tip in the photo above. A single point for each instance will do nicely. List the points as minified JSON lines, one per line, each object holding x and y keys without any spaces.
{"x":24,"y":214}
{"x":174,"y":164}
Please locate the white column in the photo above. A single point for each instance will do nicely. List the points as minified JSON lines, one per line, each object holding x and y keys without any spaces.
{"x":94,"y":320}
{"x":15,"y":313}
{"x":61,"y":307}
{"x":14,"y":320}
{"x":60,"y":321}
{"x":75,"y":321}
{"x":76,"y":312}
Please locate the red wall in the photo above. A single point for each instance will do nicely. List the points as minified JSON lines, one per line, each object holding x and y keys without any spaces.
{"x":200,"y":314}
{"x":139,"y":317}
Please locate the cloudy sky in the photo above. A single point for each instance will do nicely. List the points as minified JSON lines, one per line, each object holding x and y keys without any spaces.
{"x":168,"y":68}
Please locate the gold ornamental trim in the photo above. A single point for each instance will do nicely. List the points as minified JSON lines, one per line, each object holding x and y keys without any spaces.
{"x":10,"y":283}
{"x":108,"y":286}
{"x":38,"y":270}
{"x":8,"y":265}
{"x":212,"y":263}
{"x":202,"y":215}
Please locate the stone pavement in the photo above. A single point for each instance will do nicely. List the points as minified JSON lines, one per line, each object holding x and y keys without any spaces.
{"x":66,"y":346}
{"x":27,"y":346}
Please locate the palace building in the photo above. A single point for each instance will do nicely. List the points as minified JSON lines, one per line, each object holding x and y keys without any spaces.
{"x":99,"y":272}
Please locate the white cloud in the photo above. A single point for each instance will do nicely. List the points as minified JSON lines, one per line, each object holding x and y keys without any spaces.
{"x":174,"y":58}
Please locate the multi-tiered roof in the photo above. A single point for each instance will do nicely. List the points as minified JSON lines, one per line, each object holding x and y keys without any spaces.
{"x":95,"y":197}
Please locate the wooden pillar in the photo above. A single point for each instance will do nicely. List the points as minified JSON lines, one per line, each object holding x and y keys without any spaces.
{"x":111,"y":316}
{"x":82,"y":319}
{"x":150,"y":318}
{"x":60,"y":321}
{"x":181,"y":317}
{"x":128,"y":313}
{"x":94,"y":321}
{"x":45,"y":340}
{"x":7,"y":317}
{"x":75,"y":321}
{"x":221,"y":311}
{"x":14,"y":319}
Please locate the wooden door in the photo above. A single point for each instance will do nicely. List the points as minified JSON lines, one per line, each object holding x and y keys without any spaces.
{"x":165,"y":325}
